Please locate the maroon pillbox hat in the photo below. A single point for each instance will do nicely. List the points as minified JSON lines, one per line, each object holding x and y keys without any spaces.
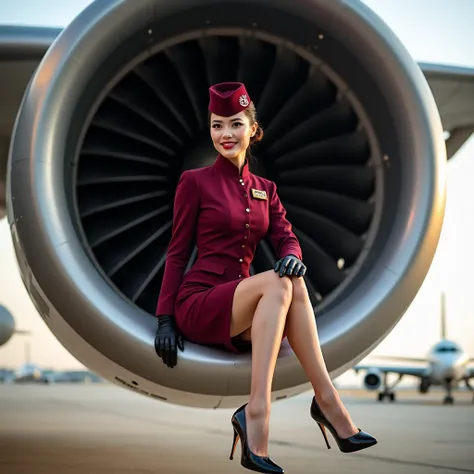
{"x":228,"y":98}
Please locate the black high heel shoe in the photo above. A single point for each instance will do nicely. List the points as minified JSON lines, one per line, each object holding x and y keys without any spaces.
{"x":248,"y":459}
{"x":360,"y":440}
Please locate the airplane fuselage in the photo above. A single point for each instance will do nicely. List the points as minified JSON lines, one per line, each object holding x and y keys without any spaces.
{"x":447,"y":368}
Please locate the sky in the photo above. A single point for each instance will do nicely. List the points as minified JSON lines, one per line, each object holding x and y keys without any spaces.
{"x":432,"y":31}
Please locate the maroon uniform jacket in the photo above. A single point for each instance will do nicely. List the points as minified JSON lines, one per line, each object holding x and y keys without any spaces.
{"x":226,"y":214}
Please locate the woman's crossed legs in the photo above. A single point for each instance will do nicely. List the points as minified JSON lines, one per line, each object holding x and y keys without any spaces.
{"x":264,"y":306}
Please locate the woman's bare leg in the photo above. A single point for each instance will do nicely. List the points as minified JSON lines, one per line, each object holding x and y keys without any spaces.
{"x":261,"y":302}
{"x":302,"y":335}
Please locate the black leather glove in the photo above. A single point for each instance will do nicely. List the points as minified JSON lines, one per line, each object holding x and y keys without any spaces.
{"x":290,"y":265}
{"x":167,"y":340}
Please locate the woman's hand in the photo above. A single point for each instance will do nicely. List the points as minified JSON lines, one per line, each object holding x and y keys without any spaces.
{"x":291,"y":266}
{"x":167,"y":340}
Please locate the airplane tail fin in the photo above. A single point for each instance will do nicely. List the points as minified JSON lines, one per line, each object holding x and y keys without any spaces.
{"x":443,"y":316}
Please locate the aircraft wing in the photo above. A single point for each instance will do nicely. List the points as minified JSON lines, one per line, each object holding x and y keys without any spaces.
{"x":399,"y":370}
{"x":408,"y":360}
{"x":453,"y":90}
{"x":21,"y":50}
{"x":23,"y":47}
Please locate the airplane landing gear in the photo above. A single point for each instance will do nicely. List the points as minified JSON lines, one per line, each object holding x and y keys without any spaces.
{"x":424,"y":385}
{"x":448,"y":400}
{"x":388,"y":394}
{"x":388,"y":390}
{"x":471,"y":388}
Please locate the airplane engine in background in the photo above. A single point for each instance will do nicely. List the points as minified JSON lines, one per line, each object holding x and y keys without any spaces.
{"x":117,"y":109}
{"x":373,"y":379}
{"x":7,"y":325}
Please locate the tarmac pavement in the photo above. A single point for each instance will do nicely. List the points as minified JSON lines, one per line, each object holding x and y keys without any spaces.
{"x":104,"y":429}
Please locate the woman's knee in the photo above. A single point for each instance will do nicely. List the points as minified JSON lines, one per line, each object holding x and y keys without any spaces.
{"x":281,"y":288}
{"x":300,"y":291}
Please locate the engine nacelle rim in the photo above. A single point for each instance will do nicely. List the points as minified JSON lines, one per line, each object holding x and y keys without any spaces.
{"x":45,"y":117}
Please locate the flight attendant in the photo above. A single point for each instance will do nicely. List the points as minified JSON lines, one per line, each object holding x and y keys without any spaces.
{"x":226,"y":210}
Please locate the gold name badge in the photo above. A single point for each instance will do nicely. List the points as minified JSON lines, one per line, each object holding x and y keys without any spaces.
{"x":257,"y":194}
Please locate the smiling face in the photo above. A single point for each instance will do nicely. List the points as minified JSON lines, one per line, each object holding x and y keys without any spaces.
{"x":231,"y":135}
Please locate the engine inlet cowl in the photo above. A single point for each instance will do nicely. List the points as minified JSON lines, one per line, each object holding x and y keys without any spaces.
{"x":118,"y":109}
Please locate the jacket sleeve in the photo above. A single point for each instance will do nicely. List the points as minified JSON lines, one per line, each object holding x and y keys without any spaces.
{"x":280,"y":232}
{"x":185,"y":213}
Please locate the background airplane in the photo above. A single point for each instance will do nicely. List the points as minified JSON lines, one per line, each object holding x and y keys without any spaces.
{"x":32,"y":373}
{"x":446,"y":364}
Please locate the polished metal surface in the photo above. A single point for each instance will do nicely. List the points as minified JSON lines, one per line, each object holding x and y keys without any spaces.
{"x":117,"y":109}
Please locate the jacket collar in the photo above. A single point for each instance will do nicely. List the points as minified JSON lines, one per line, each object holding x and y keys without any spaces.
{"x":228,"y":168}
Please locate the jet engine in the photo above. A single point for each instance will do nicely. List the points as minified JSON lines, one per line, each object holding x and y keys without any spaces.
{"x":117,"y":109}
{"x":7,"y":325}
{"x":373,"y":379}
